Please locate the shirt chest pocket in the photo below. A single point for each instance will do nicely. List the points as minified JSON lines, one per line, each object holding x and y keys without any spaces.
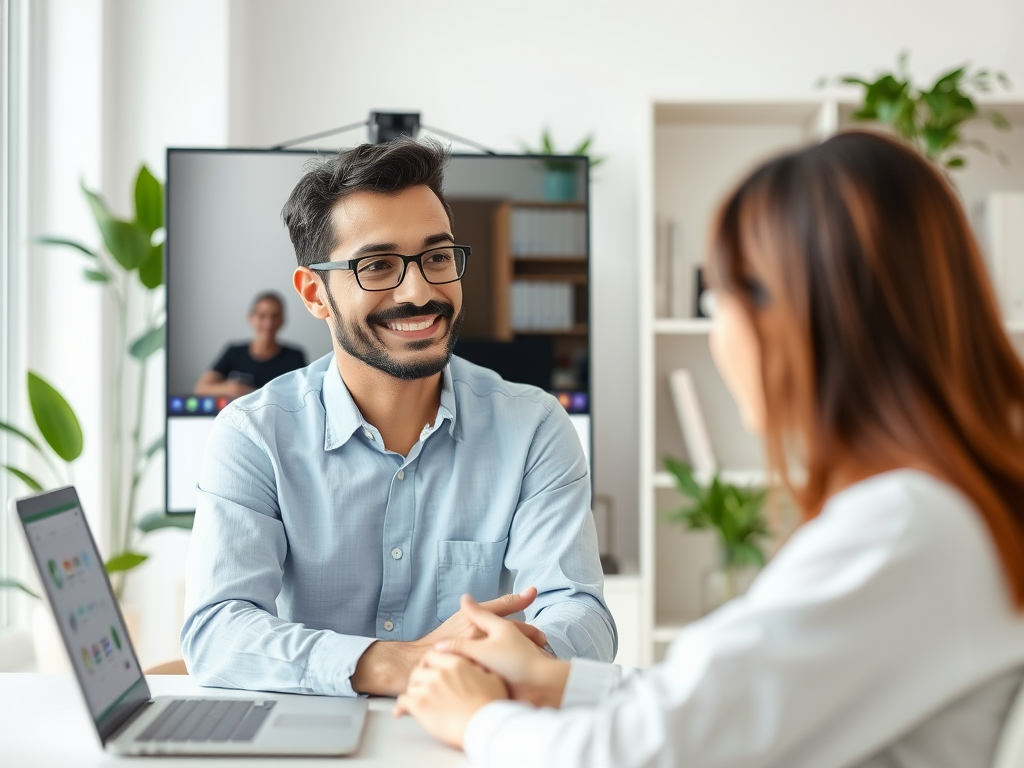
{"x":467,"y":567}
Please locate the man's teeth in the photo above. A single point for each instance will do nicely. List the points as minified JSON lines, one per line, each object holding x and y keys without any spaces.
{"x":411,"y":326}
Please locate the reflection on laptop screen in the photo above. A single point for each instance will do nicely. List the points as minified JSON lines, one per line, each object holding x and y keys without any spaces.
{"x":83,"y":606}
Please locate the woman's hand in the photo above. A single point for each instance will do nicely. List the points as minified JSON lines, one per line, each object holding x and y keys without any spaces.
{"x":445,"y":691}
{"x":532,"y":674}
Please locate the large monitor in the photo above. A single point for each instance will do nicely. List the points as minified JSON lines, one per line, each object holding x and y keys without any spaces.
{"x":526,"y":287}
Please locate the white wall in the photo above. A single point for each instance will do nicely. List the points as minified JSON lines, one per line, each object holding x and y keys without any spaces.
{"x":255,"y":72}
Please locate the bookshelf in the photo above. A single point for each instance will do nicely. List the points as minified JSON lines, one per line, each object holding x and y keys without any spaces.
{"x":692,"y":153}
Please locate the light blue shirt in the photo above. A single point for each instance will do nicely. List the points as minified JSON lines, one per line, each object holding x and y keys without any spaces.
{"x":312,"y":541}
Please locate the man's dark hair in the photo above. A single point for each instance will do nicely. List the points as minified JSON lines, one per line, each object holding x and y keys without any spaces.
{"x":386,"y":168}
{"x":267,"y":296}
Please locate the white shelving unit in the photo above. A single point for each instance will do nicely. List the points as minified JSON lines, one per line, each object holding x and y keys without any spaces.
{"x":694,"y":152}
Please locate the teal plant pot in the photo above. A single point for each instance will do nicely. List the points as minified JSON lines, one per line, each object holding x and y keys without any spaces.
{"x":560,"y":186}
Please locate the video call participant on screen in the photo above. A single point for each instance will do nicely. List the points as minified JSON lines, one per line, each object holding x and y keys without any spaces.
{"x":859,"y":335}
{"x":345,"y":508}
{"x":246,"y":367}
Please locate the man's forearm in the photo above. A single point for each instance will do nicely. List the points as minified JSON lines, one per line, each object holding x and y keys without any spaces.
{"x":384,"y":667}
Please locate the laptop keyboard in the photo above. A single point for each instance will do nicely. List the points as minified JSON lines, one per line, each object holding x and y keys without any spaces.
{"x":209,"y":720}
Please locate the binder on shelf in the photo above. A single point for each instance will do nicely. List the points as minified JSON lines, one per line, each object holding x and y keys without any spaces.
{"x":691,"y":421}
{"x":546,"y":232}
{"x":541,"y":305}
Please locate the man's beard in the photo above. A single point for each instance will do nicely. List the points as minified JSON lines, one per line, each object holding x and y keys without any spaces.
{"x":358,"y":340}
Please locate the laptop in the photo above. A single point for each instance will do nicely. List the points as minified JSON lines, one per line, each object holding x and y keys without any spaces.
{"x":128,"y":720}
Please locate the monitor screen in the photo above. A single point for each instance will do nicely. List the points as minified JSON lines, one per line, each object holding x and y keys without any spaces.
{"x":526,"y":286}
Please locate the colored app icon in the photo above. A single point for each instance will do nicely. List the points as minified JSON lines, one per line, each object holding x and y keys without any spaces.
{"x":579,"y":402}
{"x":76,"y":562}
{"x":116,"y":637}
{"x":85,"y":559}
{"x":73,"y":622}
{"x":192,"y":405}
{"x":67,"y":566}
{"x":51,"y":566}
{"x":108,"y":647}
{"x":177,"y":405}
{"x":222,"y":403}
{"x":87,"y":659}
{"x":209,"y":404}
{"x":97,"y":656}
{"x":565,"y":399}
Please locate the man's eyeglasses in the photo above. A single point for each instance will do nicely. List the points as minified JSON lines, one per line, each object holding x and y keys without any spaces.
{"x":384,"y":271}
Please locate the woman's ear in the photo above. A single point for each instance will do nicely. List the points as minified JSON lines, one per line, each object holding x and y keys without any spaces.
{"x":308,"y":287}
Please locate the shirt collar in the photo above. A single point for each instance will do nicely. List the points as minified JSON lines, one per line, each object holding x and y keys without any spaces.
{"x":342,"y":417}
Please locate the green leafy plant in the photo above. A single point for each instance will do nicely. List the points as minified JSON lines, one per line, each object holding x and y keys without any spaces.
{"x":932,"y":119}
{"x":733,"y":512}
{"x":547,"y":147}
{"x":130,"y":270}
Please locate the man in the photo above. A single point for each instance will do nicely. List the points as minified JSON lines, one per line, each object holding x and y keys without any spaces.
{"x":344,"y":508}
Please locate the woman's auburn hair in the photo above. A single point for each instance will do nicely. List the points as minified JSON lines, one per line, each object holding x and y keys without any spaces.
{"x":880,"y":335}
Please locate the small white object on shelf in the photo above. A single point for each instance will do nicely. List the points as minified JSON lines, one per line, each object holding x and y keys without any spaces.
{"x":1003,"y":235}
{"x":691,"y":420}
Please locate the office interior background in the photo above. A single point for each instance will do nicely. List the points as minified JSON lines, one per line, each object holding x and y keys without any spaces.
{"x":98,"y":86}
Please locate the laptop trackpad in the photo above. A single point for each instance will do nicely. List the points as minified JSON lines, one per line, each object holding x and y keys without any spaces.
{"x":313,"y":721}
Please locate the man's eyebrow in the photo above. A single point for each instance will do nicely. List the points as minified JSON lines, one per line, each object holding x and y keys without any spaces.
{"x":441,"y":237}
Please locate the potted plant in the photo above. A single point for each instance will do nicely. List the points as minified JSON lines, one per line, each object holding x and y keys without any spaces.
{"x":130,"y":270}
{"x":733,"y":512}
{"x":932,"y":118}
{"x":560,"y":175}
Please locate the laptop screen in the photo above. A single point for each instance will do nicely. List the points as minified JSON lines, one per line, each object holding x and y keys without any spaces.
{"x":84,"y":606}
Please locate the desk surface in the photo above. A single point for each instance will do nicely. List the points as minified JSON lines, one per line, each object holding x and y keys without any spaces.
{"x":44,"y":722}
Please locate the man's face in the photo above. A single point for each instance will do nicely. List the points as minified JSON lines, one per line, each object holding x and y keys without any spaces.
{"x":408,"y":332}
{"x":266,"y":318}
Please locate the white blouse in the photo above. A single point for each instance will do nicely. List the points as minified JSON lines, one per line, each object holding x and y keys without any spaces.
{"x":881,"y":634}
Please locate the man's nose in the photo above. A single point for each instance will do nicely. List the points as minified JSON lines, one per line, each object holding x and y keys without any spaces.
{"x":413,"y":289}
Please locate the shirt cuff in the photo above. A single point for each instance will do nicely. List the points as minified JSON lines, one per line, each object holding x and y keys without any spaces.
{"x":483,"y":726}
{"x":590,"y":682}
{"x":332,"y":662}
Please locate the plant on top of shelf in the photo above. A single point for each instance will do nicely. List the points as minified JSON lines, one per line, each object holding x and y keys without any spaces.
{"x":932,"y":119}
{"x":134,"y":249}
{"x":560,"y":173}
{"x":734,"y":513}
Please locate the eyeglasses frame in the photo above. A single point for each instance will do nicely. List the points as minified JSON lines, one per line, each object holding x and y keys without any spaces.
{"x":327,"y":266}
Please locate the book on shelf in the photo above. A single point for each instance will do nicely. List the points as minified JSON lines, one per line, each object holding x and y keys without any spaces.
{"x":1002,"y":230}
{"x":540,"y":232}
{"x":673,"y":280}
{"x":542,"y":305}
{"x":691,"y":421}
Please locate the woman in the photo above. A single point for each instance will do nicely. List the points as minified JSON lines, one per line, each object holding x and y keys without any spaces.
{"x":859,"y":335}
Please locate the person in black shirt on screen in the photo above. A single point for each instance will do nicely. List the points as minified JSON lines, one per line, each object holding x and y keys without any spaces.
{"x":245,"y":367}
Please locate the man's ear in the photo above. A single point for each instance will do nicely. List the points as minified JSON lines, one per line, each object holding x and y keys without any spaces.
{"x":308,"y":287}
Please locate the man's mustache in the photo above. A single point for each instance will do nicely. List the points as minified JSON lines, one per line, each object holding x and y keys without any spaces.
{"x":405,"y":311}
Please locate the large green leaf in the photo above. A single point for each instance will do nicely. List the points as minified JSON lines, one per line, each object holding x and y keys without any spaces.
{"x":127,"y":242}
{"x":15,"y":584}
{"x":149,"y":201}
{"x":96,"y":276}
{"x":26,"y":478}
{"x":151,"y":271}
{"x":148,"y":343}
{"x":684,"y":477}
{"x":55,"y":419}
{"x":154,"y":521}
{"x":125,"y":561}
{"x":69,"y":244}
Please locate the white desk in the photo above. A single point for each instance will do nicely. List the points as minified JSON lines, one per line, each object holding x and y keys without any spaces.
{"x":43,"y":722}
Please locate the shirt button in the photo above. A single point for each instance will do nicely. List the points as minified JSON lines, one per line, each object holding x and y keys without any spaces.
{"x":368,"y":433}
{"x":389,"y":625}
{"x":396,"y":553}
{"x":401,"y":474}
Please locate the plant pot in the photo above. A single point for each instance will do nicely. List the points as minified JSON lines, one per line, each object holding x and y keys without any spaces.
{"x":722,"y":583}
{"x":559,"y":186}
{"x":51,"y":654}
